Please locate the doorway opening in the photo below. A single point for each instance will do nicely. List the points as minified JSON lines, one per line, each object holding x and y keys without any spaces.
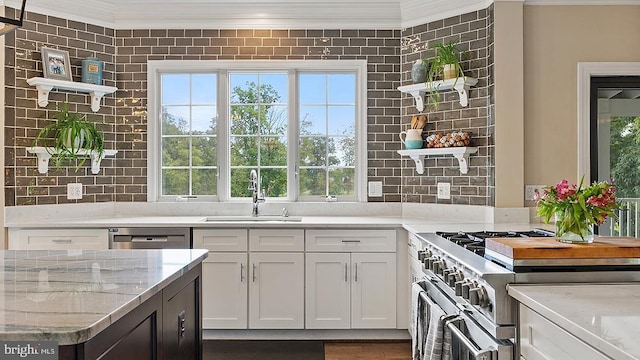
{"x":614,"y":144}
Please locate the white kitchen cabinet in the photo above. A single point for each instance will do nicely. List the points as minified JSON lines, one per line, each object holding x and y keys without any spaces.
{"x":373,"y":291}
{"x":541,"y":339}
{"x":58,"y":239}
{"x":224,"y":291}
{"x":350,"y":240}
{"x":224,"y":277}
{"x":328,"y":291}
{"x":350,"y":290}
{"x":220,"y":239}
{"x":276,"y":290}
{"x":276,"y":240}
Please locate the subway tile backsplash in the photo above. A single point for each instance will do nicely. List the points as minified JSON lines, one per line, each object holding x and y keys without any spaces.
{"x":123,"y":119}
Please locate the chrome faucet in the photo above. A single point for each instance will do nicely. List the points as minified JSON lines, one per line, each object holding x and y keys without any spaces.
{"x":254,"y":186}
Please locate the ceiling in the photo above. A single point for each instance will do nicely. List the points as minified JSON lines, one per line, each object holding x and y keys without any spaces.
{"x":269,"y":14}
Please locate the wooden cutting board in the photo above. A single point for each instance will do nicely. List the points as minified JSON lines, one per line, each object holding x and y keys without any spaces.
{"x":549,"y":248}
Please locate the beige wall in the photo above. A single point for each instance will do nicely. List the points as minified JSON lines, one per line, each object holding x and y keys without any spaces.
{"x":508,"y":59}
{"x":556,"y":38}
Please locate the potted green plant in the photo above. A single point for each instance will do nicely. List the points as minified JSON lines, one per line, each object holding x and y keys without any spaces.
{"x":444,"y":65}
{"x":69,"y":134}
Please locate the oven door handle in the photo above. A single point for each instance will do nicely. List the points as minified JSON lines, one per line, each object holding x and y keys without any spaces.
{"x":478,"y":354}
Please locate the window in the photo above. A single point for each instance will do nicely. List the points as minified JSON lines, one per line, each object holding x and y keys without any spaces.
{"x":258,"y":132}
{"x":188,"y":158}
{"x":300,"y":124}
{"x":327,"y":134}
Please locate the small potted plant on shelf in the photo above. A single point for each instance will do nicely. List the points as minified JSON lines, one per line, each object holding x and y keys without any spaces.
{"x":444,"y":65}
{"x":69,"y":134}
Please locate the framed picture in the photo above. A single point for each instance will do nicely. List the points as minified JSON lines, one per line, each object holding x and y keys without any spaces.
{"x":56,"y":64}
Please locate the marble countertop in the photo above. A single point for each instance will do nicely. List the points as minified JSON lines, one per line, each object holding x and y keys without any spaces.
{"x":415,"y":225}
{"x":605,"y":316}
{"x":70,"y":296}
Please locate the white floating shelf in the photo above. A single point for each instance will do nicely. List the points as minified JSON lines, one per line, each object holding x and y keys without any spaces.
{"x":44,"y":154}
{"x":461,"y":85}
{"x":45,"y":86}
{"x":460,"y":153}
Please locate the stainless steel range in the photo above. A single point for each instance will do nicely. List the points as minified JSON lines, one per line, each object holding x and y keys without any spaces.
{"x":469,"y":281}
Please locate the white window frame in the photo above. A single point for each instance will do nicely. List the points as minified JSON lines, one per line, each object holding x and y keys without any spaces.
{"x":155,"y":68}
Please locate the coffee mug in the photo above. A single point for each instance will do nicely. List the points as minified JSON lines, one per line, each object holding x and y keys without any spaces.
{"x":412,"y":138}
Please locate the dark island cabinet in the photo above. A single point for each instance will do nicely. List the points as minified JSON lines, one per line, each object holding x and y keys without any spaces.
{"x":167,"y":326}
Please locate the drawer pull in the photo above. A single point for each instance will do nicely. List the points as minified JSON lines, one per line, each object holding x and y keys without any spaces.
{"x":356,"y":277}
{"x":345,"y":272}
{"x":62,"y":241}
{"x":350,"y":241}
{"x":254,"y":272}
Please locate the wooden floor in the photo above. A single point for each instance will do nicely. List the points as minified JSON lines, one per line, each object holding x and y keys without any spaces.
{"x":367,"y":350}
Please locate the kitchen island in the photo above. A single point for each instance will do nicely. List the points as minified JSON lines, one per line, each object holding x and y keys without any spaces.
{"x":124,"y":304}
{"x":579,"y":321}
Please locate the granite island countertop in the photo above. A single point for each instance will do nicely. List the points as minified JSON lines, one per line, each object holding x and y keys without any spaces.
{"x":605,"y":316}
{"x":70,"y":296}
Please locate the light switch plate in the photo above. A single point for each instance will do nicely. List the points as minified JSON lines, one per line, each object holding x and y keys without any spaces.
{"x":531,"y":190}
{"x":444,"y":191}
{"x":74,"y":191}
{"x":375,"y":188}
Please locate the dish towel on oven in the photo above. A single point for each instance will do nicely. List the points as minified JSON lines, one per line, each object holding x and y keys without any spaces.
{"x":417,"y":326}
{"x":438,"y":341}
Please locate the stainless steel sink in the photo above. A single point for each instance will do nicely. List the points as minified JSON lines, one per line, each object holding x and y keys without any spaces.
{"x":253,"y":219}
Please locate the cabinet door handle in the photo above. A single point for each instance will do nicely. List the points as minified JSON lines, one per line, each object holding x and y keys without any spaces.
{"x":254,"y":272}
{"x":345,"y":272}
{"x":65,"y":241}
{"x":241,"y":272}
{"x":356,"y":275}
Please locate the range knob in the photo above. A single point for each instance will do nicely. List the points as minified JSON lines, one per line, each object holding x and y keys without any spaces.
{"x":454,"y":277}
{"x":447,"y":272}
{"x":459,"y":287}
{"x":479,"y":296}
{"x":438,"y":266}
{"x":424,"y":255}
{"x":467,"y":285}
{"x":429,"y":262}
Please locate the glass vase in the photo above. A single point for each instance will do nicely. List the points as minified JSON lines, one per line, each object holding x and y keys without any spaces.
{"x":573,"y":229}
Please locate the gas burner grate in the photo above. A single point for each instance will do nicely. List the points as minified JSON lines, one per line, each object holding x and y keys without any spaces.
{"x":475,"y":241}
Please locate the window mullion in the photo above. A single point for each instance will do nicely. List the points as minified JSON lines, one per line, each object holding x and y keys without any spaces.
{"x":224,"y":129}
{"x":293,"y":138}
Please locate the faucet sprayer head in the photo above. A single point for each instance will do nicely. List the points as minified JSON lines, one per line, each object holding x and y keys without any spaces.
{"x":253,"y":181}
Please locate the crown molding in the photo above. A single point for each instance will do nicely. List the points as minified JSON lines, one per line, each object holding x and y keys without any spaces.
{"x":418,"y":12}
{"x":95,"y":12}
{"x":374,"y":14}
{"x":269,"y":14}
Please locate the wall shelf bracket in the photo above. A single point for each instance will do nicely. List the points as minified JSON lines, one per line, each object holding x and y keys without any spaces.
{"x":44,"y":87}
{"x":44,"y":154}
{"x":460,"y":153}
{"x":461,"y":85}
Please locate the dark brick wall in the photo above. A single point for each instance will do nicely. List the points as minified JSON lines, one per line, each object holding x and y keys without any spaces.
{"x":389,"y":53}
{"x":380,"y":48}
{"x":123,"y":115}
{"x":474,"y":33}
{"x":23,"y":118}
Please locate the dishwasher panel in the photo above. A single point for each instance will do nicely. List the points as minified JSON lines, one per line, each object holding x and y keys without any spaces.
{"x":150,"y":238}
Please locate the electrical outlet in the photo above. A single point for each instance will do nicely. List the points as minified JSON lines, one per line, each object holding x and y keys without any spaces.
{"x":74,"y":191}
{"x":531,"y":190}
{"x":375,"y":188}
{"x":444,"y":191}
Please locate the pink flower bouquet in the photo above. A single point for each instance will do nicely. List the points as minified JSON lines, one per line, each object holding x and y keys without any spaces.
{"x":577,"y":208}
